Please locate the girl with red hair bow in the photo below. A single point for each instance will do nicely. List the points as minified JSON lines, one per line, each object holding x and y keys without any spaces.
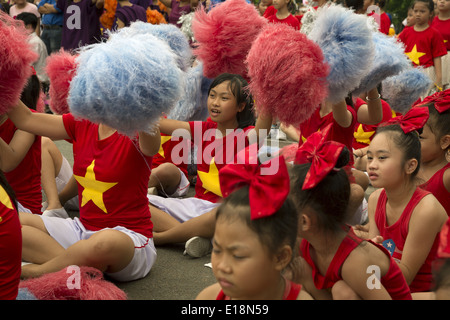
{"x":435,"y":147}
{"x":407,"y":217}
{"x":255,"y":235}
{"x":331,"y":253}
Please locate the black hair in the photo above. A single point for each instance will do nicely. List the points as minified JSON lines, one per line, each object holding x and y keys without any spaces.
{"x":439,"y":123}
{"x":239,"y":87}
{"x":356,"y":5}
{"x":409,"y":143}
{"x":273,"y":231}
{"x":28,"y":19}
{"x":381,"y":3}
{"x":429,"y":3}
{"x":31,"y":92}
{"x":9,"y":190}
{"x":329,"y":199}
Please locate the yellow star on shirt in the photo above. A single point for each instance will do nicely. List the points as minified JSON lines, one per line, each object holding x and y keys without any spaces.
{"x":362,"y":136}
{"x":4,"y":198}
{"x":93,"y":189}
{"x":210,"y":179}
{"x":414,"y":55}
{"x":164,"y":139}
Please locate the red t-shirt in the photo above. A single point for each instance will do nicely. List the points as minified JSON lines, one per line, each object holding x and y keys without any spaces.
{"x":25,"y":179}
{"x":10,"y":248}
{"x":289,"y":20}
{"x":337,"y":133}
{"x":385,"y":23}
{"x":364,"y":132}
{"x":112,"y":176}
{"x":213,"y":154}
{"x":172,"y":151}
{"x":443,"y":26}
{"x":395,"y":236}
{"x":423,"y":46}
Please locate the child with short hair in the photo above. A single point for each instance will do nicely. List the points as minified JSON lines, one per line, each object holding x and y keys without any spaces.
{"x":441,"y":23}
{"x":283,"y":15}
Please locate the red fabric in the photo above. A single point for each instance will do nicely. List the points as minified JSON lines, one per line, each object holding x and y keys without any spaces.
{"x":172,"y":148}
{"x":393,"y":281}
{"x":444,"y":241}
{"x":429,"y":42}
{"x":436,"y":186}
{"x":222,"y":150}
{"x":321,"y":153}
{"x":25,"y":179}
{"x":385,"y":23}
{"x":269,"y":11}
{"x":395,"y":235}
{"x":339,"y":134}
{"x":289,"y":20}
{"x":10,"y":248}
{"x":412,"y":120}
{"x":234,"y":176}
{"x":443,"y":26}
{"x":440,"y":99}
{"x":116,"y":172}
{"x":364,"y":133}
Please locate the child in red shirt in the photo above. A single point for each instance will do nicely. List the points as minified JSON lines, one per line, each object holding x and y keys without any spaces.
{"x":441,"y":23}
{"x":283,"y":15}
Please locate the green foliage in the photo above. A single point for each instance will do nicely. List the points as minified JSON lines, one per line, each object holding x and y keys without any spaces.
{"x":399,"y":10}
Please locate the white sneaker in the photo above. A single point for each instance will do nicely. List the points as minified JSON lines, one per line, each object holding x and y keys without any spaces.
{"x":59,"y":213}
{"x":197,"y":247}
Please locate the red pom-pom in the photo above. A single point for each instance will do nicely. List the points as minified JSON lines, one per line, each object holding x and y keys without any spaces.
{"x":61,"y":67}
{"x":224,"y":36}
{"x":73,"y":283}
{"x":287,"y":74}
{"x":16,"y":57}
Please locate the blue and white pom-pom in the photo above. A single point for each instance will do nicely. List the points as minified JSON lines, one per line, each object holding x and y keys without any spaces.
{"x":126,"y":83}
{"x":402,"y":90}
{"x":389,"y":60}
{"x":347,"y":45}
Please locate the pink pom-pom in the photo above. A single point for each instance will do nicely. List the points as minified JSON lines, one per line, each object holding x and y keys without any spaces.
{"x":61,"y":68}
{"x":224,"y":36}
{"x":16,"y":57}
{"x":287,"y":74}
{"x":73,"y":283}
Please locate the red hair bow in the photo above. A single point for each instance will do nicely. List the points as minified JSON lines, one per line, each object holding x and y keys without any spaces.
{"x":441,"y":100}
{"x":412,"y":120}
{"x":322,"y":155}
{"x":267,"y":192}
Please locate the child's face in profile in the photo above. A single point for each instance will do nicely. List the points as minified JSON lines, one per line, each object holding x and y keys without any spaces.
{"x":243,"y":267}
{"x":410,"y":20}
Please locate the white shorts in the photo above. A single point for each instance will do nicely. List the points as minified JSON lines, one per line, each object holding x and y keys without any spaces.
{"x":182,"y":209}
{"x":182,"y":189}
{"x":446,"y":71}
{"x":69,"y":231}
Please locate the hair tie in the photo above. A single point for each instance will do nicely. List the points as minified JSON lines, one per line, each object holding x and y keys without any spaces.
{"x":412,"y":120}
{"x":321,"y":153}
{"x":267,"y":192}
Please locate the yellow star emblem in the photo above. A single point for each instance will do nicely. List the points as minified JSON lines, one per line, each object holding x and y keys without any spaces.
{"x":362,"y":136}
{"x":4,"y":198}
{"x":414,"y":55}
{"x":93,"y":189}
{"x":210,"y":179}
{"x":164,"y":139}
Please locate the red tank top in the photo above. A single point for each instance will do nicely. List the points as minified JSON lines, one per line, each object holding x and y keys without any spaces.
{"x":393,"y":281}
{"x":395,"y":236}
{"x":436,"y":186}
{"x":291,"y":291}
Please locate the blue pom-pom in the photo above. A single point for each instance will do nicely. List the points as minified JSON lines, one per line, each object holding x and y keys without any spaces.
{"x":402,"y":90}
{"x":192,"y":104}
{"x":389,"y":60}
{"x":169,"y":33}
{"x":347,"y":45}
{"x":126,"y":83}
{"x":25,"y":294}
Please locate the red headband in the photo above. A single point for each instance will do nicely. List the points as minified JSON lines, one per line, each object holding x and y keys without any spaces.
{"x":441,"y":100}
{"x":412,"y":120}
{"x":267,"y":192}
{"x":322,"y":155}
